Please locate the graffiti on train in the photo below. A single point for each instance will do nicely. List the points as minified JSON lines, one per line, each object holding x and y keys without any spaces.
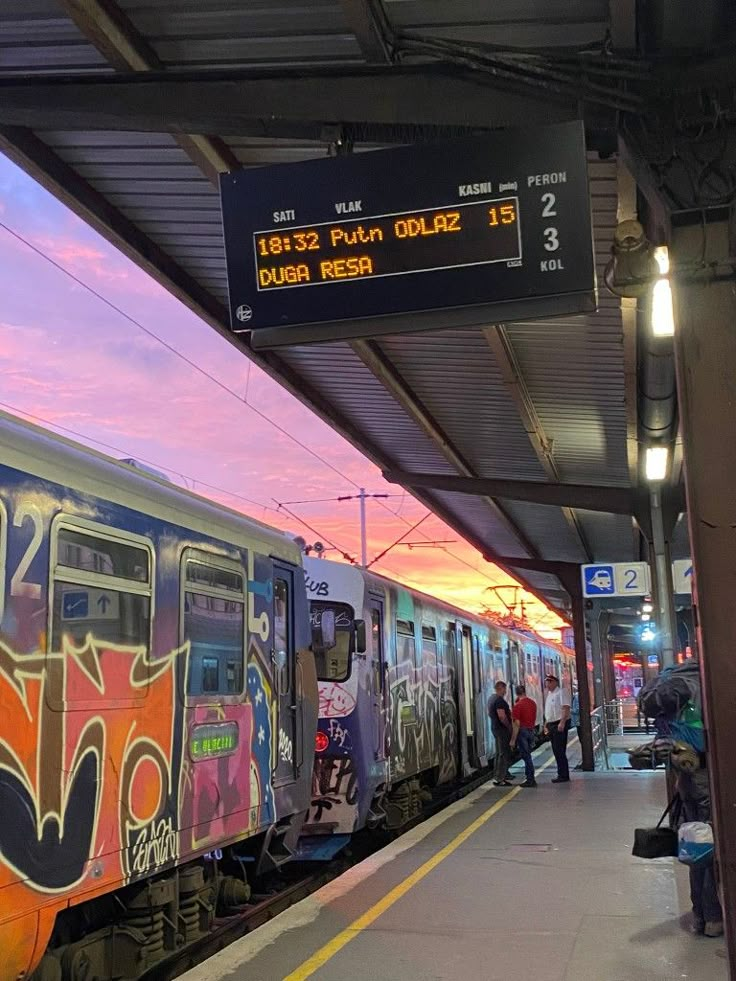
{"x":334,"y":793}
{"x":156,"y":847}
{"x":423,"y":719}
{"x":335,"y":700}
{"x":340,"y":735}
{"x":95,"y":780}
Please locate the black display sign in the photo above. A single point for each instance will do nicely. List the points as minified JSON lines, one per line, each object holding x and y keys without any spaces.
{"x":414,"y":238}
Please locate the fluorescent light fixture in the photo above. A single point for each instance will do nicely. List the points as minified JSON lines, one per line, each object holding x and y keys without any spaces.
{"x":662,"y":256}
{"x":656,"y":462}
{"x":663,"y":319}
{"x":646,"y":616}
{"x":647,"y":607}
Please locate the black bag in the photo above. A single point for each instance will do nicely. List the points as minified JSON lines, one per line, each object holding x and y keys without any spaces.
{"x":659,"y":842}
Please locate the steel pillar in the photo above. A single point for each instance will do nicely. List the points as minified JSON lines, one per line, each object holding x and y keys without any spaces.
{"x":705,"y":350}
{"x":594,"y":616}
{"x":663,"y":575}
{"x":570,"y":579}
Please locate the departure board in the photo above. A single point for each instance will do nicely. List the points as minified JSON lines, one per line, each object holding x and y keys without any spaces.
{"x":413,"y":238}
{"x":389,"y":245}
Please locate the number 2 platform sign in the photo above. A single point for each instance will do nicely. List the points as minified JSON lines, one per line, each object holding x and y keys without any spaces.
{"x":616,"y":579}
{"x":411,"y":238}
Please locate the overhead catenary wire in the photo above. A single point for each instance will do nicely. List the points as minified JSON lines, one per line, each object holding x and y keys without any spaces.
{"x":173,"y":350}
{"x":16,"y":410}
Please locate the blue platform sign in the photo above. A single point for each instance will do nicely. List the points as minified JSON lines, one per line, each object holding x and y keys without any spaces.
{"x":598,"y":580}
{"x":616,"y":579}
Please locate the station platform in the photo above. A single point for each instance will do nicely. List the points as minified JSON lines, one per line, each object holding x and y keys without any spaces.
{"x":504,"y":883}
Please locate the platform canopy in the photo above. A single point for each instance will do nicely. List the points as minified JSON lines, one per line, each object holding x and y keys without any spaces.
{"x":128,"y":110}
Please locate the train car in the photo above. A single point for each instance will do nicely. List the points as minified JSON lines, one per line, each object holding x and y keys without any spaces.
{"x":158,"y":707}
{"x":403,"y":697}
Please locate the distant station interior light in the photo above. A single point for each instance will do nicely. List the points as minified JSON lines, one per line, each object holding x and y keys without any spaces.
{"x":646,"y":617}
{"x":648,"y":634}
{"x":646,"y":608}
{"x":656,"y":463}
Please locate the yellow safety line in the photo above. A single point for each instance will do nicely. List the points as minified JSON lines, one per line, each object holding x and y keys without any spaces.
{"x":326,"y":953}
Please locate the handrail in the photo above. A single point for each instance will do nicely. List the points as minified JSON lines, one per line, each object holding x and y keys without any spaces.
{"x":598,"y":725}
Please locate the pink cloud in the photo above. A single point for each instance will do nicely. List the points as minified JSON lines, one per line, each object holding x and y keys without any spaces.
{"x":70,"y":359}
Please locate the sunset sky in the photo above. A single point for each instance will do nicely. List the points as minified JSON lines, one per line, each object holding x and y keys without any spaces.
{"x":71,"y":361}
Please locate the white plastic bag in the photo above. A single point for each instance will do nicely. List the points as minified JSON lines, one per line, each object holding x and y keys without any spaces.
{"x":694,"y":843}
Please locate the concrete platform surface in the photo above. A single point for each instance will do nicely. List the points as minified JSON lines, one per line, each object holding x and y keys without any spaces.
{"x":506,"y":883}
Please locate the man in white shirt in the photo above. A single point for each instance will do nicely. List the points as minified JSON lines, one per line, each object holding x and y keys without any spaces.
{"x":557,"y":725}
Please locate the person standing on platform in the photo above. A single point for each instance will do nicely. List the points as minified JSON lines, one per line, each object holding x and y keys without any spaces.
{"x":524,"y":721}
{"x":557,"y":725}
{"x":500,"y":716}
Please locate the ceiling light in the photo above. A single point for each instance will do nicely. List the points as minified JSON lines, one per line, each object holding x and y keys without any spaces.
{"x":662,"y":256}
{"x":663,"y":319}
{"x":656,"y":462}
{"x":646,"y":616}
{"x":647,"y":607}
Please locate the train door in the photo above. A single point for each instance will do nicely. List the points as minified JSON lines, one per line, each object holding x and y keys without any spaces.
{"x":517,"y":671}
{"x":453,"y":667}
{"x":284,"y":660}
{"x":467,"y":641}
{"x":378,"y":679}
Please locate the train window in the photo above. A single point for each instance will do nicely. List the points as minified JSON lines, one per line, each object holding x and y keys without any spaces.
{"x":429,"y":641}
{"x":210,"y":575}
{"x":334,"y":665}
{"x":405,"y":642}
{"x":100,"y":556}
{"x":213,"y":623}
{"x":281,"y":633}
{"x":102,"y":594}
{"x":377,"y":649}
{"x":448,"y":639}
{"x":210,"y":674}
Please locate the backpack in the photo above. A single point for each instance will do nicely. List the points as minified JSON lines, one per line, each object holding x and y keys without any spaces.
{"x":671,"y":691}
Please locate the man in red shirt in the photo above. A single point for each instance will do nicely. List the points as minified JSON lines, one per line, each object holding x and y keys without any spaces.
{"x":524,"y":720}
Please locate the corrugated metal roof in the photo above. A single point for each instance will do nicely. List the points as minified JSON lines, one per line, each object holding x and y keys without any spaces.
{"x":457,"y":379}
{"x":36,"y":36}
{"x":573,"y":369}
{"x":508,"y":23}
{"x":218,"y":33}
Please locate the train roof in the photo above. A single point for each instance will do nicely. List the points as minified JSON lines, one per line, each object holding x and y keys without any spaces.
{"x":351,"y":573}
{"x":33,"y":450}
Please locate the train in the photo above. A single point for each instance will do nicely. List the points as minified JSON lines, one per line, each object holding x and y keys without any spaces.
{"x":187,"y":704}
{"x":403,"y":697}
{"x":158,"y":708}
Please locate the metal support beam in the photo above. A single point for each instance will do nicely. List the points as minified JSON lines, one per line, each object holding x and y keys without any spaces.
{"x":503,"y":351}
{"x":665,"y":597}
{"x":230,"y":101}
{"x":376,"y":361}
{"x":105,"y":25}
{"x":370,"y":24}
{"x":612,"y":500}
{"x":705,"y":346}
{"x":594,"y":618}
{"x":570,"y":579}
